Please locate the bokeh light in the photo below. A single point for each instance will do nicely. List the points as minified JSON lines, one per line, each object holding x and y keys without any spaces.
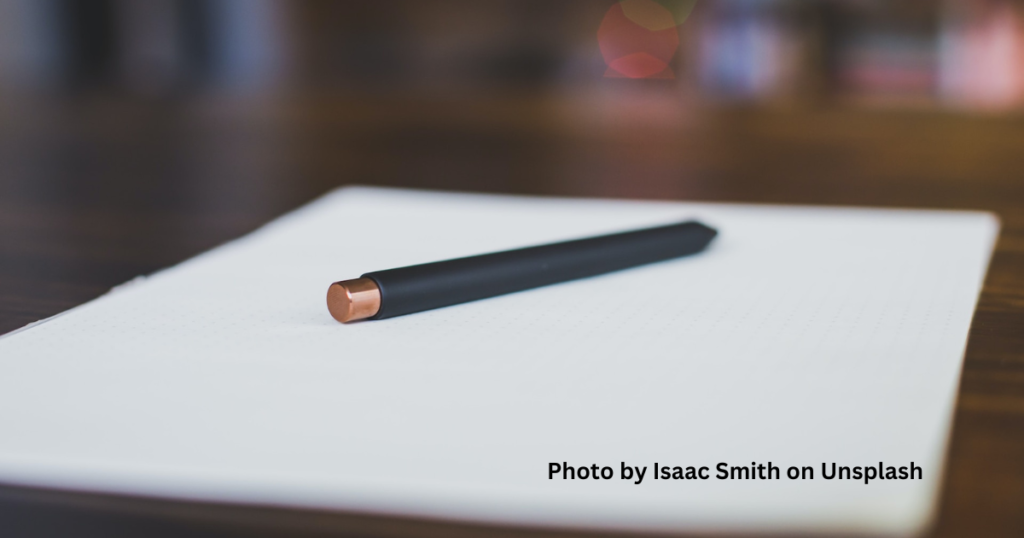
{"x":638,"y":38}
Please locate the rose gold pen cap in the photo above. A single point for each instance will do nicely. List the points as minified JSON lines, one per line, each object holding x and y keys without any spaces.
{"x":351,"y":300}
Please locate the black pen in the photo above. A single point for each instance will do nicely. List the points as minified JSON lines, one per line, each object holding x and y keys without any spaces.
{"x":395,"y":292}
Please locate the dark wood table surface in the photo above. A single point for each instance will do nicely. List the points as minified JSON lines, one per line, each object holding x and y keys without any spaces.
{"x":95,"y":191}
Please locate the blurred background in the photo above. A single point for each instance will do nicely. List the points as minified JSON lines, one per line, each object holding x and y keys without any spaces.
{"x":136,"y":133}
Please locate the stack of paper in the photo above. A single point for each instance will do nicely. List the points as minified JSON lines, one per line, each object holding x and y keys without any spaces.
{"x":802,"y":336}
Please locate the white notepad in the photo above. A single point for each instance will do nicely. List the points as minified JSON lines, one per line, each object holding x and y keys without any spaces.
{"x":802,"y":336}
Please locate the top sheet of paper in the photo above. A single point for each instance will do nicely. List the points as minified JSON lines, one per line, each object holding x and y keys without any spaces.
{"x":802,"y":336}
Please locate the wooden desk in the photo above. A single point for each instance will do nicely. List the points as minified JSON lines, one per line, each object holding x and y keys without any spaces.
{"x":94,"y":193}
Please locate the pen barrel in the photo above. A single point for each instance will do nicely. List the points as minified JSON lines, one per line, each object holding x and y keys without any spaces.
{"x":433,"y":285}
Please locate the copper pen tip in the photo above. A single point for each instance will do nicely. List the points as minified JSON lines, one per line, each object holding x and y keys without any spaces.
{"x":351,"y":300}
